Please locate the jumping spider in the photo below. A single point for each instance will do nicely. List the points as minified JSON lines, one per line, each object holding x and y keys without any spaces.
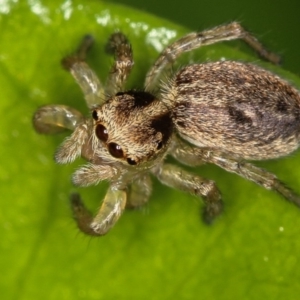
{"x":222,"y":112}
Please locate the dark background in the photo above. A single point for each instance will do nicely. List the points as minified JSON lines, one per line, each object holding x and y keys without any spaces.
{"x":276,"y":23}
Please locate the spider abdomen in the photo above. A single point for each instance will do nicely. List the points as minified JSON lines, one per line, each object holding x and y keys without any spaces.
{"x":235,"y":107}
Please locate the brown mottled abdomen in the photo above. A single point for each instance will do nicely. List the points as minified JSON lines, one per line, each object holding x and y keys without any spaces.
{"x":235,"y":107}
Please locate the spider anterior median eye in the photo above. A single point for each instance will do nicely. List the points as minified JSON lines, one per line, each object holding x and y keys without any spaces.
{"x":101,"y":133}
{"x":115,"y":150}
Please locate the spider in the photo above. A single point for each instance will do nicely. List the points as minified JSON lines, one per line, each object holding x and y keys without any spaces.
{"x":224,"y":113}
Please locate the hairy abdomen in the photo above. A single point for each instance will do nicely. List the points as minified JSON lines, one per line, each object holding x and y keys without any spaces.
{"x":235,"y":107}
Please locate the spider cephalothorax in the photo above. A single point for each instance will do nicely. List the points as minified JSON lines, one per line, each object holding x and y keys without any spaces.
{"x":134,"y":126}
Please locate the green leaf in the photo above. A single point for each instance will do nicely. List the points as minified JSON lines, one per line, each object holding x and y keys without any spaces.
{"x":163,"y":251}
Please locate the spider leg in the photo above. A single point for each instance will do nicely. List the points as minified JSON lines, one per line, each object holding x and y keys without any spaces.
{"x":177,"y":178}
{"x":71,"y":148}
{"x":139,"y":192}
{"x":109,"y":213}
{"x":91,"y":174}
{"x":196,"y":40}
{"x":119,"y":46}
{"x":85,"y":77}
{"x":51,"y":119}
{"x":260,"y":176}
{"x":190,"y":155}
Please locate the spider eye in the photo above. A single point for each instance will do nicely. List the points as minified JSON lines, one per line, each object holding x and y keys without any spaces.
{"x":159,"y":145}
{"x":115,"y":150}
{"x":131,"y":161}
{"x":101,"y":133}
{"x":95,"y":115}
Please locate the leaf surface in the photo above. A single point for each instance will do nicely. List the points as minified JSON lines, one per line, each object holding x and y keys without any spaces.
{"x":163,"y":251}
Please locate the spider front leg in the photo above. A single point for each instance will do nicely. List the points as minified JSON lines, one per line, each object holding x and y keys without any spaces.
{"x":109,"y":213}
{"x":119,"y":46}
{"x":196,"y":40}
{"x":177,"y":178}
{"x":84,"y":76}
{"x":51,"y":119}
{"x":113,"y":203}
